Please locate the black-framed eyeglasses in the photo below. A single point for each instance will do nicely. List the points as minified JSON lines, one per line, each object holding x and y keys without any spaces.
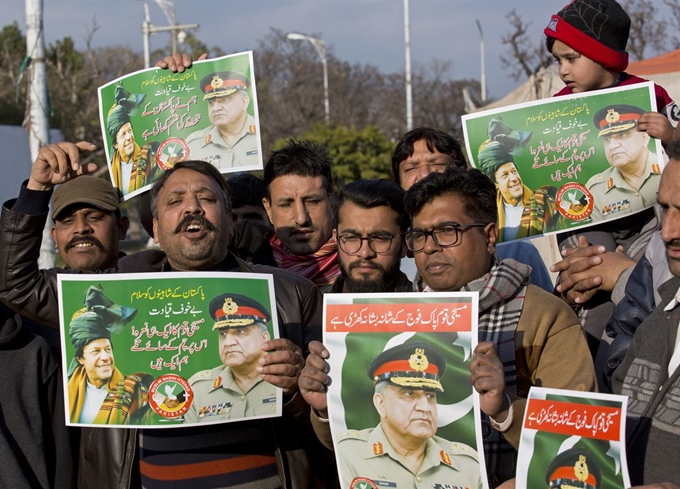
{"x":378,"y":243}
{"x":445,"y":235}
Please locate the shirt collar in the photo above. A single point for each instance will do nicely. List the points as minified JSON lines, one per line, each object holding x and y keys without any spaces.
{"x":673,"y":304}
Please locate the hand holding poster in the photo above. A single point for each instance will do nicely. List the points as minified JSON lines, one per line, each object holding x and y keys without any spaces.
{"x":567,"y":162}
{"x":402,"y":409}
{"x":573,"y":438}
{"x":154,"y":118}
{"x":164,"y":350}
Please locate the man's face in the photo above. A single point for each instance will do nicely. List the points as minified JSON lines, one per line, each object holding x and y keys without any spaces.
{"x":240,"y":347}
{"x":192,"y":224}
{"x":625,"y":150}
{"x":300,"y":211}
{"x":407,"y":414}
{"x":509,"y":183}
{"x":368,"y":271}
{"x":125,"y":141}
{"x":669,"y":200}
{"x":87,"y":237}
{"x":449,"y":269}
{"x":225,"y":110}
{"x":420,"y":164}
{"x":98,"y":361}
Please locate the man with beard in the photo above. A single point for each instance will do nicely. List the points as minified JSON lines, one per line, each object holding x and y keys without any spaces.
{"x":192,"y":222}
{"x":370,"y":221}
{"x":298,"y":192}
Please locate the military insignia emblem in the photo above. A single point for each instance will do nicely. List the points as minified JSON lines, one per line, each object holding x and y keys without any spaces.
{"x":610,"y":183}
{"x":217,"y":382}
{"x":216,"y":82}
{"x":656,"y":168}
{"x":252,"y":129}
{"x":613,"y":207}
{"x":448,"y":486}
{"x":418,"y":361}
{"x":362,"y":483}
{"x":445,"y":457}
{"x":612,"y":116}
{"x":220,"y":409}
{"x":581,"y":468}
{"x":208,"y":139}
{"x":230,"y":307}
{"x":378,"y":448}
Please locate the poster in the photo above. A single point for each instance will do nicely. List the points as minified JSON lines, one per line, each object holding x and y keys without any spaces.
{"x":153,"y":118}
{"x":578,"y":437}
{"x":399,"y":365}
{"x":166,"y":349}
{"x":567,"y":162}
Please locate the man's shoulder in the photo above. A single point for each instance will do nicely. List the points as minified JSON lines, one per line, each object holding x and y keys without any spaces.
{"x":599,"y":178}
{"x":200,"y":134}
{"x":453,"y":448}
{"x":205,"y":375}
{"x":353,"y":437}
{"x":142,"y":261}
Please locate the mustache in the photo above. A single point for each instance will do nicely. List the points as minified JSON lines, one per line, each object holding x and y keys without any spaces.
{"x":191,"y":218}
{"x":365,"y":264}
{"x":84,"y":239}
{"x":674,"y":243}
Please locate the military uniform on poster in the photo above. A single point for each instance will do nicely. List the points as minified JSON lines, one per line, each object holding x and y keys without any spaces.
{"x":208,"y":145}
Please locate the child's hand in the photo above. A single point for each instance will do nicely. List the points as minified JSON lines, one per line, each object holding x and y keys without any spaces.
{"x":656,"y":125}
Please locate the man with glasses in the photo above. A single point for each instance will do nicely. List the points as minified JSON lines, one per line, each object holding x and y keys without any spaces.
{"x":526,"y":335}
{"x":370,"y":221}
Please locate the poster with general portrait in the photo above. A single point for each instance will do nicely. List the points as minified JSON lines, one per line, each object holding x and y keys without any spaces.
{"x":567,"y":162}
{"x":399,"y":365}
{"x":573,"y":438}
{"x":162,"y":350}
{"x":154,"y":118}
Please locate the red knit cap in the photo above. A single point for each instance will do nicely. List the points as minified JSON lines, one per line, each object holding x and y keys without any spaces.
{"x":598,"y":29}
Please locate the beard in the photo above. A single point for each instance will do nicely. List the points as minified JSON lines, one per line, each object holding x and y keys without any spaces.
{"x":383,"y":283}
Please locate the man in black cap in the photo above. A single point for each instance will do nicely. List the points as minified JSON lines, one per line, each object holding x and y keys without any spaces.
{"x":631,"y":182}
{"x":231,"y":139}
{"x":130,"y":164}
{"x":234,"y":389}
{"x":522,"y":212}
{"x":403,"y":451}
{"x":98,"y":392}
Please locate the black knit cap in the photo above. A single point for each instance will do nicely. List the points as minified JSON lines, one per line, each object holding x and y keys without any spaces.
{"x":598,"y":29}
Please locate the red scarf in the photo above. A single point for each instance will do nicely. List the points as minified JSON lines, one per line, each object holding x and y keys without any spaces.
{"x":320,"y":267}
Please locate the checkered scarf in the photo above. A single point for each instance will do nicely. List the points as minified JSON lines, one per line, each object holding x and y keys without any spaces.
{"x":320,"y":267}
{"x":501,"y":297}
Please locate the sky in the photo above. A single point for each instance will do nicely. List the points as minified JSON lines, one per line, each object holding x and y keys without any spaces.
{"x":364,"y":31}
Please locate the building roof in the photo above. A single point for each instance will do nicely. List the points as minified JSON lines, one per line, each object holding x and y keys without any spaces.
{"x":665,"y":63}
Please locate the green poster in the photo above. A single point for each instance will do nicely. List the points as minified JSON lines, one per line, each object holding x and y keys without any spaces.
{"x":400,"y":370}
{"x":154,"y":118}
{"x":576,"y":439}
{"x":165,"y":350}
{"x":567,"y":162}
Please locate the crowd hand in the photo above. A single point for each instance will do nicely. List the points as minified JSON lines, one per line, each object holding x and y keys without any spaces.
{"x":178,"y":62}
{"x":587,"y":269}
{"x":58,"y":163}
{"x":282,"y":366}
{"x":314,"y":379}
{"x":488,"y":379}
{"x":656,"y":125}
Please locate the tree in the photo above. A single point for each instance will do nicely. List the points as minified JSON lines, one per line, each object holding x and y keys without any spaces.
{"x":356,"y":153}
{"x":12,"y":95}
{"x":525,"y":56}
{"x":647,"y":30}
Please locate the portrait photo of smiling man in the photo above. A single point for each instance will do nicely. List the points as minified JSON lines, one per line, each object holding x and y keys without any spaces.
{"x":234,"y":389}
{"x":632,"y":180}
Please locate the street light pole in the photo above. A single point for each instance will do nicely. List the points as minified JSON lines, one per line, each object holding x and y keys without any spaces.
{"x":168,"y":7}
{"x":320,"y":47}
{"x":481,"y":48}
{"x":409,"y":93}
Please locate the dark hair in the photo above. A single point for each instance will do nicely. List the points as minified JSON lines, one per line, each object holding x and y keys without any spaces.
{"x":474,"y":188}
{"x":434,"y":139}
{"x":377,"y":192}
{"x":673,"y":149}
{"x":549,"y":43}
{"x":198,"y":166}
{"x":301,"y":158}
{"x":245,"y":189}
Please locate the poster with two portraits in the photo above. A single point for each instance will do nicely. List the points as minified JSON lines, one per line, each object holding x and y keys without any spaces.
{"x":154,"y":118}
{"x":571,"y":162}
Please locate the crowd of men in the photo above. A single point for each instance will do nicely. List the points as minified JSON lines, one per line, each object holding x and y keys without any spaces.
{"x":438,"y":214}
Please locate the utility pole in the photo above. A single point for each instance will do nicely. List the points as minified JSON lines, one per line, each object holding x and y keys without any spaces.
{"x":37,"y":121}
{"x":483,"y":69}
{"x":168,"y":8}
{"x":409,"y":92}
